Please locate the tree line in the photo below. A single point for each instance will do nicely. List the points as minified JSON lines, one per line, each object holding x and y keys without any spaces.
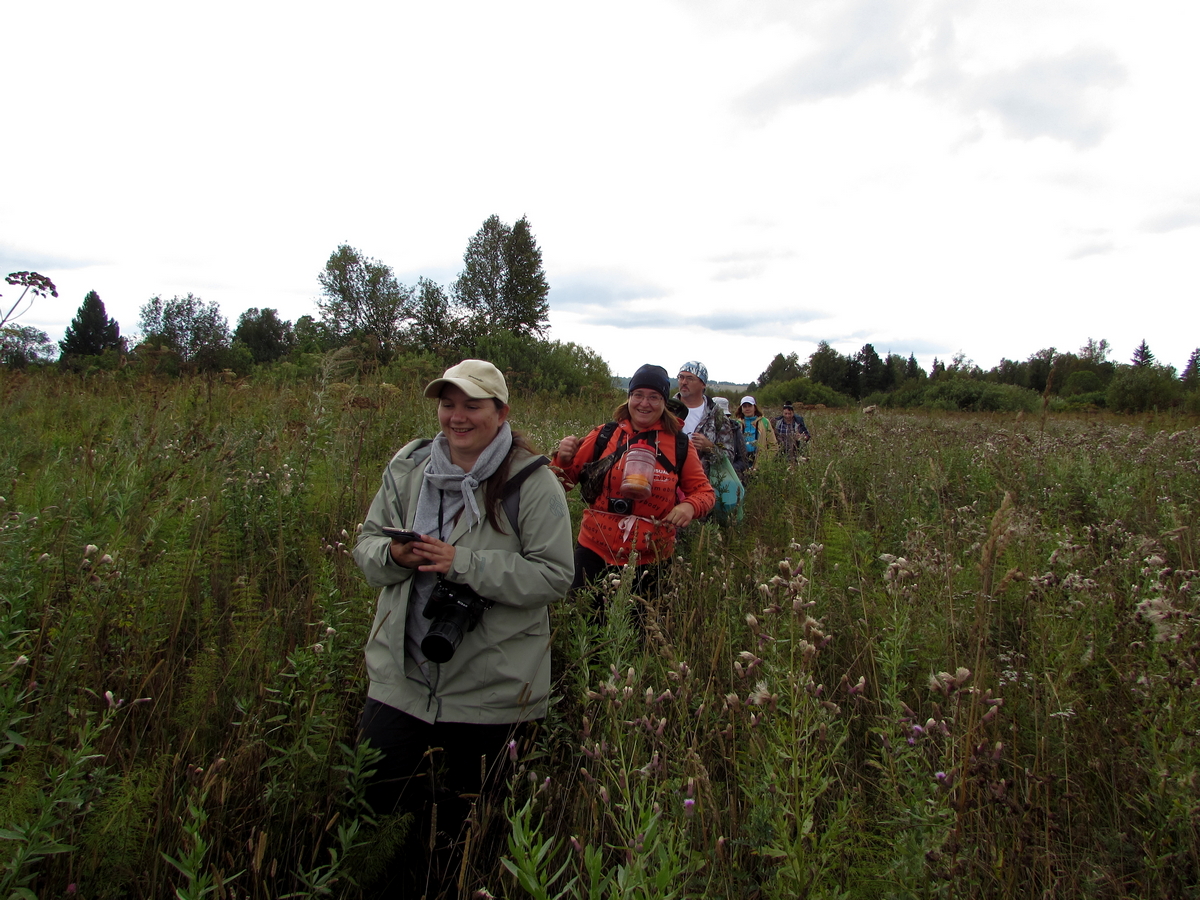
{"x":1084,"y":379}
{"x":497,"y":308}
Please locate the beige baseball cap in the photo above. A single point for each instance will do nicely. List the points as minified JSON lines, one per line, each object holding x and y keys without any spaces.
{"x":477,"y":378}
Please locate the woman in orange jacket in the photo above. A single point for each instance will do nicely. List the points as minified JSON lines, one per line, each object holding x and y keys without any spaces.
{"x":619,"y":527}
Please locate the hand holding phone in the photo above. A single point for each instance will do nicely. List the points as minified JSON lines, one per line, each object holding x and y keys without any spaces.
{"x":399,"y":534}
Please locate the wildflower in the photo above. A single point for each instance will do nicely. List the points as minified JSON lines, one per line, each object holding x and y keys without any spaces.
{"x":330,"y":631}
{"x":106,"y":558}
{"x":45,"y":557}
{"x":578,"y":847}
{"x":760,"y":696}
{"x":512,"y":751}
{"x":318,"y":648}
{"x":604,"y":794}
{"x":89,"y":550}
{"x":21,"y":661}
{"x":689,"y":807}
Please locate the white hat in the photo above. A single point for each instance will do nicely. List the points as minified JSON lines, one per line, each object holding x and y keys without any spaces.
{"x":476,"y":378}
{"x":722,"y":402}
{"x":748,"y":399}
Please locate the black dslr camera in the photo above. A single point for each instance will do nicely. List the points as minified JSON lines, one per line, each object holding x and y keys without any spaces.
{"x":455,"y":609}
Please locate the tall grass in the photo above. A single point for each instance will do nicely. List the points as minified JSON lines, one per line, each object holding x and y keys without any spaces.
{"x":945,"y":656}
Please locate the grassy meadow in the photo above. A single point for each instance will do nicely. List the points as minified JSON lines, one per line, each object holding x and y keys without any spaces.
{"x":946,"y":655}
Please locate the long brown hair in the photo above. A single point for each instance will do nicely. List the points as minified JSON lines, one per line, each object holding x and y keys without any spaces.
{"x":493,"y":490}
{"x":670,"y":422}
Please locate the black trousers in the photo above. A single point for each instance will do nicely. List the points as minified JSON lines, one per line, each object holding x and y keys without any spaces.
{"x":438,"y":772}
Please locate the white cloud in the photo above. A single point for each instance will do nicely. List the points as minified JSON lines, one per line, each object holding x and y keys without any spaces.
{"x":1183,"y":214}
{"x":1066,"y":97}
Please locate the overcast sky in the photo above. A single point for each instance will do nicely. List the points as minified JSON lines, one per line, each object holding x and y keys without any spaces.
{"x":713,"y":180}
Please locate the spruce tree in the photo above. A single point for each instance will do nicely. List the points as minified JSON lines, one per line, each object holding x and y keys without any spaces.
{"x":526,"y":309}
{"x":1191,"y":372}
{"x":1142,"y":355}
{"x":91,"y":332}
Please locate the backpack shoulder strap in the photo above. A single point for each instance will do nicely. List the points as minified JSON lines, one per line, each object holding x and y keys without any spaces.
{"x":511,"y":498}
{"x":602,"y":440}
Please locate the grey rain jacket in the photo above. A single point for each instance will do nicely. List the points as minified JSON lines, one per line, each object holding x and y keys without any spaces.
{"x":501,"y":671}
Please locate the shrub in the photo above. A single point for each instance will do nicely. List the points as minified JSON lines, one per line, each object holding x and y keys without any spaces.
{"x":1139,"y":388}
{"x":801,"y":390}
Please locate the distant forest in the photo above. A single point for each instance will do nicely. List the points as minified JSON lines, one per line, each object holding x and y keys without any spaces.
{"x":1080,"y":380}
{"x":498,"y":309}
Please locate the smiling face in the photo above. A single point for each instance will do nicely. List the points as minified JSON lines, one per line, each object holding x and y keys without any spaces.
{"x":468,"y":424}
{"x":645,"y":408}
{"x":747,"y":409}
{"x":691,"y":389}
{"x":788,"y":415}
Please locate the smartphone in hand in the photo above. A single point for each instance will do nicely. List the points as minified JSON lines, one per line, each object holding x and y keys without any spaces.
{"x":399,"y":534}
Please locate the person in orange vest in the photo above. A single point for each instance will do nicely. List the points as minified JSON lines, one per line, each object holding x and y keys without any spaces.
{"x":626,"y":523}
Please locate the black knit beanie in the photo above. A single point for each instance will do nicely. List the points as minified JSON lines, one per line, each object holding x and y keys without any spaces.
{"x":653,"y":377}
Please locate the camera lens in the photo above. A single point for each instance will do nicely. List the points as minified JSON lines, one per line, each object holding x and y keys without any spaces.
{"x":441,"y":641}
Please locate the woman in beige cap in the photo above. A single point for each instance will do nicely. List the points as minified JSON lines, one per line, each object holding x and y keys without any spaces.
{"x":470,"y":541}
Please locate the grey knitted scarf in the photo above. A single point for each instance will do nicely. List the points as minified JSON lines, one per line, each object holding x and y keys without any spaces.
{"x":446,"y":490}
